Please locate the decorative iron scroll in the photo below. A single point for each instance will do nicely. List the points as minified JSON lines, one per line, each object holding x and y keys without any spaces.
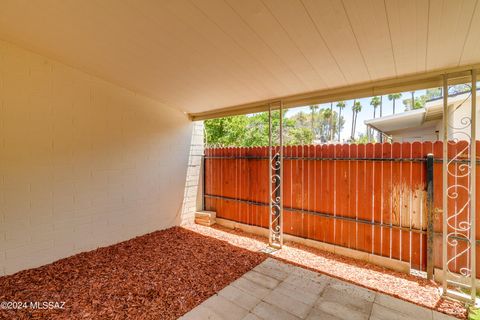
{"x":275,"y":183}
{"x":459,"y":157}
{"x":275,"y":199}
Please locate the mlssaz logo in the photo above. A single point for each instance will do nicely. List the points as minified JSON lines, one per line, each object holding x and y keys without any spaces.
{"x":47,"y":305}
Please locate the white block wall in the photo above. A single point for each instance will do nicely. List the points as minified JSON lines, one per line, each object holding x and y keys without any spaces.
{"x":83,"y":163}
{"x":192,"y":198}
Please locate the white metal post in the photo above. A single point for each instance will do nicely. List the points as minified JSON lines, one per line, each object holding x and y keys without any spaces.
{"x":445,"y":184}
{"x":281,"y":173}
{"x":473,"y":164}
{"x":454,"y":228}
{"x":270,"y":220}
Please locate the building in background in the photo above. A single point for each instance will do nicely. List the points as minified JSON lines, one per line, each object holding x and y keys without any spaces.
{"x":425,"y":124}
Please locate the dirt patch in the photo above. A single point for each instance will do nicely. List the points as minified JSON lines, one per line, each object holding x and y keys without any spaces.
{"x":161,"y":275}
{"x":406,"y":287}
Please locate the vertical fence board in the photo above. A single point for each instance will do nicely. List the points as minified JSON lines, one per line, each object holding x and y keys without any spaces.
{"x":406,"y":200}
{"x":319,"y":223}
{"x":371,"y":240}
{"x":396,"y":199}
{"x":377,"y":199}
{"x":305,"y":192}
{"x":311,"y":192}
{"x":387,"y":170}
{"x":329,"y":182}
{"x":418,"y":201}
{"x":354,"y":198}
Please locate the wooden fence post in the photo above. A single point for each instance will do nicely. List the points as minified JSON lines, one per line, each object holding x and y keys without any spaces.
{"x":430,"y":262}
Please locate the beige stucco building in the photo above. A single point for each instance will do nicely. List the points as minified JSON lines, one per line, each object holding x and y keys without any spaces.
{"x":426,"y":124}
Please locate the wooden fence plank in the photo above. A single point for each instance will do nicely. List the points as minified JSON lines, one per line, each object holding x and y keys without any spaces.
{"x":349,"y":233}
{"x":405,"y":200}
{"x":363,"y":201}
{"x":319,"y":223}
{"x":311,"y":192}
{"x":377,"y":199}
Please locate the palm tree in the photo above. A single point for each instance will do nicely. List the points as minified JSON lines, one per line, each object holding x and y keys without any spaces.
{"x":357,"y":107}
{"x":353,"y":118}
{"x":375,"y":102}
{"x":381,"y":106}
{"x":327,"y":114}
{"x":394,"y":97}
{"x":409,"y":103}
{"x":340,"y":106}
{"x":331,"y":121}
{"x":313,"y":108}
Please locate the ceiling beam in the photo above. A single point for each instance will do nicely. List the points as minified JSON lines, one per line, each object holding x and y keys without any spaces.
{"x":369,"y":89}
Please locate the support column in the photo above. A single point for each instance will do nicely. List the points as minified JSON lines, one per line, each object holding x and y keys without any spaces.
{"x":275,"y":178}
{"x":430,"y":231}
{"x":459,"y":198}
{"x":473,"y":167}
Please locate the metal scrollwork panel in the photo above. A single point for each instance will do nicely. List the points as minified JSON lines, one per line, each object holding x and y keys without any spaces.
{"x":458,"y":199}
{"x":275,"y":199}
{"x":275,"y":183}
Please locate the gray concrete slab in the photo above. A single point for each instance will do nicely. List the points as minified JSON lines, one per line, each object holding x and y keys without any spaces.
{"x":276,"y":290}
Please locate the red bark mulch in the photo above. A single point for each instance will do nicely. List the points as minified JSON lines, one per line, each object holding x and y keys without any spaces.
{"x":161,"y":275}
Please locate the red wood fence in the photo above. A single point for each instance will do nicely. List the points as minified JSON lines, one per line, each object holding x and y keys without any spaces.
{"x":369,"y":197}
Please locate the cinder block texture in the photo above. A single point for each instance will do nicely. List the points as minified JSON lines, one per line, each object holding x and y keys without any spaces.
{"x":192,"y":200}
{"x":83,"y":163}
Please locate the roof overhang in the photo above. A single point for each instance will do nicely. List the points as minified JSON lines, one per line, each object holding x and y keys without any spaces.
{"x":399,"y":121}
{"x":382,"y":87}
{"x":215,"y":58}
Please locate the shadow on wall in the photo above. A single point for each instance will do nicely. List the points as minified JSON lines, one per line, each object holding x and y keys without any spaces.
{"x":83,"y":163}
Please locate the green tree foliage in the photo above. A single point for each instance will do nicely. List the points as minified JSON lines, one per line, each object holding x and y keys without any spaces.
{"x":419,"y":103}
{"x":434,"y":93}
{"x":362,"y":139}
{"x":313,"y":109}
{"x":459,"y":88}
{"x":226,"y":131}
{"x":252,"y":130}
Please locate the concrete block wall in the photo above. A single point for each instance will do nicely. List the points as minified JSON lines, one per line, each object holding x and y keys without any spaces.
{"x":83,"y":163}
{"x":192,"y":200}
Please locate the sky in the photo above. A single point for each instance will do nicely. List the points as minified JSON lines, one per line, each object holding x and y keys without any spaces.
{"x":365,"y":114}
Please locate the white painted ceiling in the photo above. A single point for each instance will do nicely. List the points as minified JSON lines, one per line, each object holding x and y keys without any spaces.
{"x":202,"y":55}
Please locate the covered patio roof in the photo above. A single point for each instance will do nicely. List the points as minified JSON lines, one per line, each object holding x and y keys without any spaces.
{"x":209,"y":58}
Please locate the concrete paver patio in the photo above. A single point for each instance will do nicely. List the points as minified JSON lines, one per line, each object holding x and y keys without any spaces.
{"x":276,"y":290}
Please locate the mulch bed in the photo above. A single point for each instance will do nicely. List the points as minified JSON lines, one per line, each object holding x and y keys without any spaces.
{"x":161,"y":275}
{"x":403,"y":286}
